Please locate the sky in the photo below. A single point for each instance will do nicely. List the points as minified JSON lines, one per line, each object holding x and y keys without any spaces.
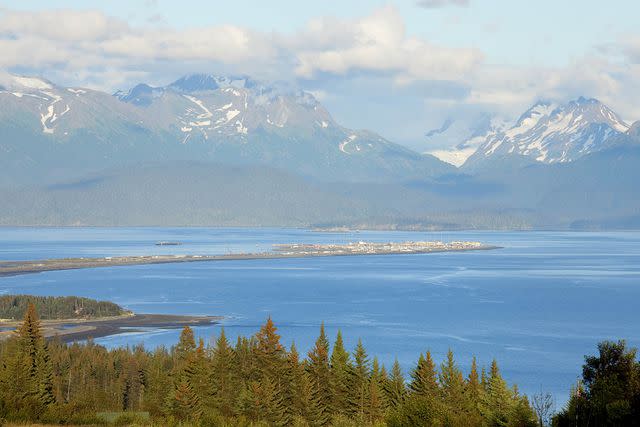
{"x":399,"y":68}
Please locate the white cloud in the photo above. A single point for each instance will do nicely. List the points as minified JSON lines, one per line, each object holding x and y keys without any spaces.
{"x":378,"y":43}
{"x":76,"y":43}
{"x":61,"y":25}
{"x":81,"y":41}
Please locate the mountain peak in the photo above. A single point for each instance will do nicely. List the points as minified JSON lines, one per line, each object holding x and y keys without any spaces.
{"x":550,"y":133}
{"x":142,"y":94}
{"x":207,"y":82}
{"x":583,"y":100}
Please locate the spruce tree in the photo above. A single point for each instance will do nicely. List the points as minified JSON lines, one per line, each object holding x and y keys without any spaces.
{"x":30,"y":371}
{"x":497,"y":403}
{"x":423,"y":378}
{"x":45,"y":374}
{"x":269,"y":352}
{"x":377,"y":402}
{"x":452,"y":387}
{"x":199,"y":377}
{"x":340,"y":372}
{"x":270,"y":358}
{"x":474,"y":394}
{"x":223,"y":380}
{"x":451,"y":379}
{"x":186,"y":344}
{"x":320,"y":379}
{"x":183,"y":401}
{"x":298,"y":388}
{"x":270,"y":402}
{"x":247,"y":374}
{"x":359,"y":384}
{"x":396,"y":389}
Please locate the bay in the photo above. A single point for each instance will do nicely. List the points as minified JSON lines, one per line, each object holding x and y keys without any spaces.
{"x":537,"y":305}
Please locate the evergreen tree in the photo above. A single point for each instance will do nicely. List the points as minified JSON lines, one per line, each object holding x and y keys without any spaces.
{"x":473,"y":382}
{"x":474,"y":394}
{"x":377,"y":402}
{"x":183,"y":401}
{"x":320,"y":378}
{"x":270,"y":403}
{"x":187,"y":344}
{"x":223,"y":381}
{"x":359,"y":384}
{"x":497,"y":404}
{"x":452,"y":386}
{"x":340,"y":375}
{"x":269,"y":352}
{"x":158,"y":384}
{"x":298,"y":391}
{"x":396,"y":389}
{"x":247,"y":374}
{"x":271,"y":365}
{"x":484,"y":381}
{"x":423,"y":378}
{"x":30,"y":382}
{"x":45,"y":378}
{"x":199,"y":377}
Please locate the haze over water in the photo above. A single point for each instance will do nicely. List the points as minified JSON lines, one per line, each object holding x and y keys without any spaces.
{"x":537,"y":305}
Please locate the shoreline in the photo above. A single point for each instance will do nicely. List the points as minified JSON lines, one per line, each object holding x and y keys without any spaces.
{"x":14,"y":268}
{"x":70,"y":330}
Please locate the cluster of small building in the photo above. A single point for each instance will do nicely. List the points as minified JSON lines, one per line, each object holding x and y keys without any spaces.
{"x":374,"y":247}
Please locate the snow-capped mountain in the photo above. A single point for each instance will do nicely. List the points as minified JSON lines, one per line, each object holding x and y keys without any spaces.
{"x":472,"y":134}
{"x":550,"y":133}
{"x":205,"y":106}
{"x":232,"y":120}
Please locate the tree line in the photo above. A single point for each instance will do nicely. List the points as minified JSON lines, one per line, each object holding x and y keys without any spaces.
{"x":254,"y":382}
{"x":14,"y":307}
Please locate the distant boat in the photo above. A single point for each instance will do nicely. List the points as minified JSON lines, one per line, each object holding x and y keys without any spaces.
{"x":164,"y":243}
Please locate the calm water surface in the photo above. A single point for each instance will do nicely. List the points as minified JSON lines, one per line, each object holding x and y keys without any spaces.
{"x":538,"y":305}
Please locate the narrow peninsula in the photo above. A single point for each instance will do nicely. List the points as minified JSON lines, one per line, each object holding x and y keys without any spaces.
{"x":292,"y":250}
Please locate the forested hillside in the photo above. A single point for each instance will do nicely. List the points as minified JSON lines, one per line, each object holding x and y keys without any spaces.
{"x":15,"y":306}
{"x":254,"y":382}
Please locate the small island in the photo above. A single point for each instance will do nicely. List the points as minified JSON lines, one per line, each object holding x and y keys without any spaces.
{"x":75,"y":318}
{"x":291,"y":250}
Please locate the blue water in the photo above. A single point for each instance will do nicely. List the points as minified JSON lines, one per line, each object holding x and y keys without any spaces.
{"x":537,"y":306}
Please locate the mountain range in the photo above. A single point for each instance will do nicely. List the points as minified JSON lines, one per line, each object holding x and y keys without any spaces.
{"x":56,"y":133}
{"x":229,"y":150}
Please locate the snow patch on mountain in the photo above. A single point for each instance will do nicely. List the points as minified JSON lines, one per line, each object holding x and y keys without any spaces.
{"x":551,"y":133}
{"x":343,"y":145}
{"x":472,"y":135}
{"x":199,"y":103}
{"x":47,"y":118}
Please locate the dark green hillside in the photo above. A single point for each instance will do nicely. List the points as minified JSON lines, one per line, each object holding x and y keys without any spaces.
{"x":215,"y":194}
{"x":15,"y":306}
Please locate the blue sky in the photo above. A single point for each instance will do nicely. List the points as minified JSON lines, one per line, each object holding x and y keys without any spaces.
{"x":455,"y":59}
